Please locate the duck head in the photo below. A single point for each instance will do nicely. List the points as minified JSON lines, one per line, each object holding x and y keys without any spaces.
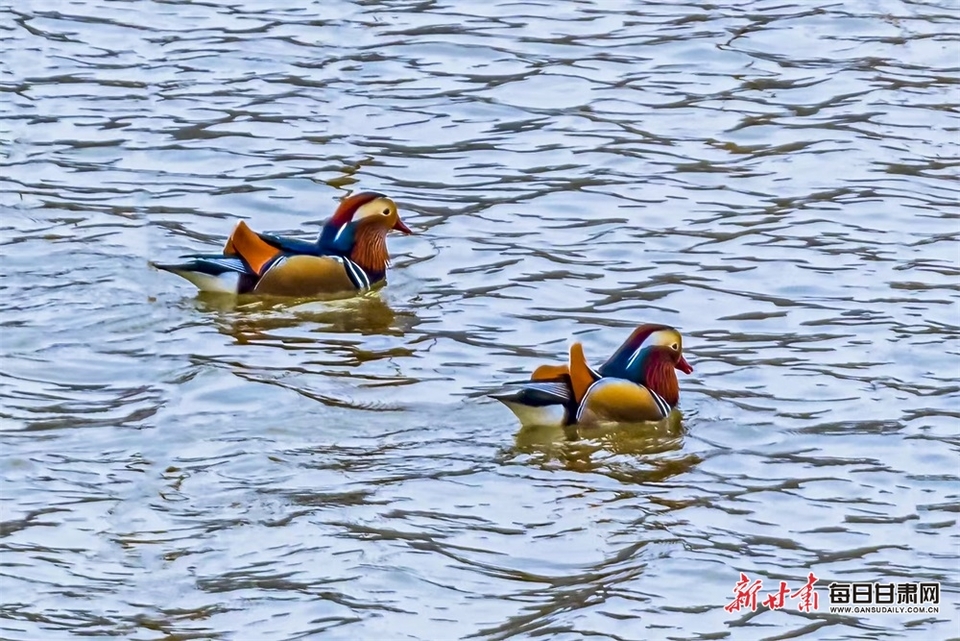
{"x":646,"y":335}
{"x":655,"y":367}
{"x":367,"y":211}
{"x":359,"y":228}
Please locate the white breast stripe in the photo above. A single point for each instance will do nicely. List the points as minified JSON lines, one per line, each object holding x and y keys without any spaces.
{"x":343,"y":261}
{"x":339,"y":231}
{"x":583,"y":401}
{"x":356,"y":273}
{"x":363,"y":274}
{"x":275,"y":263}
{"x":662,"y":405}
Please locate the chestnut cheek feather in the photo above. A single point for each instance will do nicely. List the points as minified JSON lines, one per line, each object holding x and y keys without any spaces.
{"x":662,"y":380}
{"x":370,"y":249}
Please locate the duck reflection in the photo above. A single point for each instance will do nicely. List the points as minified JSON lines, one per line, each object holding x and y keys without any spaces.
{"x":259,"y":320}
{"x":330,"y":351}
{"x":601,"y":449}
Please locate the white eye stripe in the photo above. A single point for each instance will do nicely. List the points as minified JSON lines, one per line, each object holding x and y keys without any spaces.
{"x":379,"y":207}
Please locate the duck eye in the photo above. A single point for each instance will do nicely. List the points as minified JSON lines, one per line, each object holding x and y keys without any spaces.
{"x":386,"y":212}
{"x":674,"y":347}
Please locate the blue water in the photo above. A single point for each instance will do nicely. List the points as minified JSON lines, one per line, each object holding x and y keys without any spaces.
{"x":777,"y":180}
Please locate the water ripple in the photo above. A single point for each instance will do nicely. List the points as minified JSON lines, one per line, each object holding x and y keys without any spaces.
{"x":776,"y":179}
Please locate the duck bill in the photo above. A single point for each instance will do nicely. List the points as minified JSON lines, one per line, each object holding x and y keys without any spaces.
{"x":684,"y":366}
{"x":399,"y":226}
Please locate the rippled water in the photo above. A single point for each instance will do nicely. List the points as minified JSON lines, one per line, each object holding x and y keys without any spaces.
{"x":776,"y":179}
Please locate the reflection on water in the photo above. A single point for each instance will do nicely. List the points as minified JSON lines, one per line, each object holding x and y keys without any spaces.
{"x":777,"y":180}
{"x":643,"y":453}
{"x":258,"y":319}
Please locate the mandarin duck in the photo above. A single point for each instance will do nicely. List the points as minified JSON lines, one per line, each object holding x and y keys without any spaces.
{"x":350,"y":254}
{"x":637,"y":383}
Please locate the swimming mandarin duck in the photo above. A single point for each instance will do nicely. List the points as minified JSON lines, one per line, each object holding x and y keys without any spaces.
{"x":349,"y":255}
{"x":637,"y":383}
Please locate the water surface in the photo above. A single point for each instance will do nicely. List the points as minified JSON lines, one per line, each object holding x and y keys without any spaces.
{"x":776,"y":179}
